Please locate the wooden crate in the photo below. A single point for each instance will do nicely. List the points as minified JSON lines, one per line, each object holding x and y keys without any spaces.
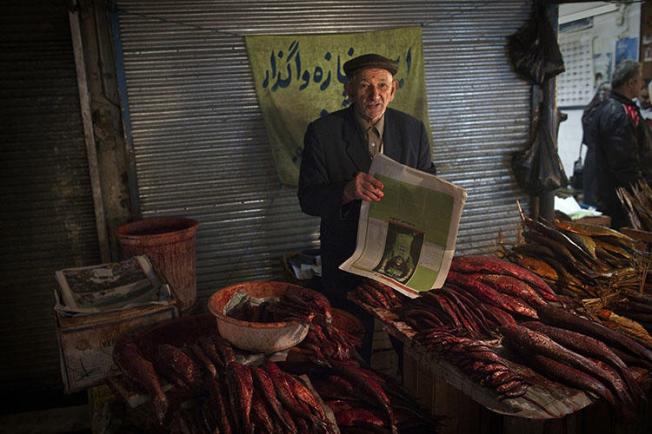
{"x":86,"y":342}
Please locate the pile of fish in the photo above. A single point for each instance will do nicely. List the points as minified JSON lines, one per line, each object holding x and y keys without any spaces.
{"x":166,"y":362}
{"x":581,"y":353}
{"x":324,"y":340}
{"x":478,"y":359}
{"x":303,"y":307}
{"x":451,"y":308}
{"x":637,"y":201}
{"x":480,"y":294}
{"x":248,"y":399}
{"x":614,"y":321}
{"x":579,"y":260}
{"x":198,"y":386}
{"x":328,"y":342}
{"x":185,"y":361}
{"x":377,"y":295}
{"x":362,"y":401}
{"x":486,"y":298}
{"x":595,"y":264}
{"x":635,"y":306}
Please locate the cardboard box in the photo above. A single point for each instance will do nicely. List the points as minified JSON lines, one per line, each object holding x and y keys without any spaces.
{"x":86,"y":342}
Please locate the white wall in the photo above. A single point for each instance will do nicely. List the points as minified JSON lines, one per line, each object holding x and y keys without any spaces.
{"x":571,"y":136}
{"x":607,"y":29}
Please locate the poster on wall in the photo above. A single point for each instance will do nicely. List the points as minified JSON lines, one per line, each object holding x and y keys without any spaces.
{"x":575,"y":86}
{"x":299,"y":78}
{"x":602,"y":67}
{"x":626,"y":49}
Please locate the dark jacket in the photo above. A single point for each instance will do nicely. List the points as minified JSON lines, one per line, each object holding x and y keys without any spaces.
{"x":589,"y":181}
{"x":334,"y":152}
{"x":623,"y":153}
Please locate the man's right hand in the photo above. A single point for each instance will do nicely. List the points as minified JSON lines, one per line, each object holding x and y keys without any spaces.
{"x":364,"y":187}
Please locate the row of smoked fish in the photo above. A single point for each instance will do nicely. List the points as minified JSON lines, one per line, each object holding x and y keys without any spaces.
{"x":603,"y":268}
{"x":198,"y":383}
{"x":637,"y":201}
{"x":498,"y":321}
{"x":580,"y":260}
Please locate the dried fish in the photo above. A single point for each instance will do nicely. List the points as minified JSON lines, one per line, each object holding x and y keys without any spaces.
{"x":560,"y":317}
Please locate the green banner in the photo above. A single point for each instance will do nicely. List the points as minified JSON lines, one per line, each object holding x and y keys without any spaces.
{"x":299,"y":78}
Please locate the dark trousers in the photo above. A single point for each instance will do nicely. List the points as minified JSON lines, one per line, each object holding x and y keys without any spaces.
{"x":336,"y":284}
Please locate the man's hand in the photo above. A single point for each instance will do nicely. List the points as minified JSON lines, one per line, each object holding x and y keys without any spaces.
{"x":363,"y":187}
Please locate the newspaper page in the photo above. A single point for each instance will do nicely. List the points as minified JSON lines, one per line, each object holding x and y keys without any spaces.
{"x":407,"y":240}
{"x":111,"y":286}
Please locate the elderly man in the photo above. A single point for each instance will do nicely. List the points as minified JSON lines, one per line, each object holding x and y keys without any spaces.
{"x":338,"y":150}
{"x":623,"y":147}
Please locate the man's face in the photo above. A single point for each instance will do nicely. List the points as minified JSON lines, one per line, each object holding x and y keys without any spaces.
{"x":635,"y":85}
{"x":371,"y":90}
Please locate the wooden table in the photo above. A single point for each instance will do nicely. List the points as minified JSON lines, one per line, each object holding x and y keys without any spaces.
{"x":471,"y":408}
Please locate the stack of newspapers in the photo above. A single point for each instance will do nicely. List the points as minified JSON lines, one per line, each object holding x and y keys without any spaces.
{"x":108,"y":287}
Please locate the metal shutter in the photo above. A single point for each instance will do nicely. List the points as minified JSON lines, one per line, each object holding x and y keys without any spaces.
{"x":200,"y":146}
{"x":46,"y":218}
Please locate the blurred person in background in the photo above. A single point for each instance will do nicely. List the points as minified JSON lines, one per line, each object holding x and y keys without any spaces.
{"x":589,"y":181}
{"x":623,"y":149}
{"x":643,"y":102}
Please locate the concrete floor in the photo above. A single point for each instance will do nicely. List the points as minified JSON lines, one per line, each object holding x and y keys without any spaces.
{"x":68,"y":420}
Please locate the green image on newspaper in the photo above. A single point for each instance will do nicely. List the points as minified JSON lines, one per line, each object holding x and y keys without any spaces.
{"x":415,"y":215}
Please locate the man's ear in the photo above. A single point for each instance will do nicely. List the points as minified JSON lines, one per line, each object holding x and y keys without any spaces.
{"x":348,"y":87}
{"x":394,"y":89}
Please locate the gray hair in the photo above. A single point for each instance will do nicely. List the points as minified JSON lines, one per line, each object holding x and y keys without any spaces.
{"x":625,"y":71}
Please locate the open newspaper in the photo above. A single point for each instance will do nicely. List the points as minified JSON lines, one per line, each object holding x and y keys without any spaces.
{"x":111,"y":286}
{"x":407,"y":240}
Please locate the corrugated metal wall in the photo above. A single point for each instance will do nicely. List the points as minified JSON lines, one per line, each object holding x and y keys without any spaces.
{"x":200,"y":145}
{"x":46,"y":218}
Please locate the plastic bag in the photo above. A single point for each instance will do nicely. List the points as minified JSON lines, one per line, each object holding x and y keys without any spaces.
{"x":533,"y":49}
{"x":539,"y":169}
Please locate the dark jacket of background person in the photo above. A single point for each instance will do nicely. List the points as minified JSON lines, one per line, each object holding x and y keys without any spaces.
{"x":334,"y":151}
{"x":623,"y":153}
{"x":589,"y":127}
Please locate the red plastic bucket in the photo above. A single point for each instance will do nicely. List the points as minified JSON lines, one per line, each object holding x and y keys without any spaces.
{"x":170,"y":243}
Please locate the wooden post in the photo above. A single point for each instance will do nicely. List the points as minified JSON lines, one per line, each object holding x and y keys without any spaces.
{"x":89,"y":136}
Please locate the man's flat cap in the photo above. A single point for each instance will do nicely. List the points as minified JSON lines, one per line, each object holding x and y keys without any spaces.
{"x":370,"y":61}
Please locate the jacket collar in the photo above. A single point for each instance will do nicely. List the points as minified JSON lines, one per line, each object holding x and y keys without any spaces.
{"x":622,"y":99}
{"x":356,"y":146}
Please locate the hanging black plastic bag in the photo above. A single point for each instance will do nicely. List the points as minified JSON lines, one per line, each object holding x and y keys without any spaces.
{"x":539,"y":169}
{"x":533,"y":49}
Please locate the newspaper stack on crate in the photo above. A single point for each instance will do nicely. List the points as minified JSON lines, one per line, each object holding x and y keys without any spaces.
{"x":98,"y":303}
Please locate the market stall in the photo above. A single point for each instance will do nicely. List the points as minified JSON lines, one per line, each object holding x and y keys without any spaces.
{"x":497,"y":333}
{"x":298,"y":374}
{"x":539,"y":346}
